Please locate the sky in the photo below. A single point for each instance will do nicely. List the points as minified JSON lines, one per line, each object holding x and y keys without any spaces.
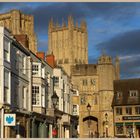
{"x":112,"y":26}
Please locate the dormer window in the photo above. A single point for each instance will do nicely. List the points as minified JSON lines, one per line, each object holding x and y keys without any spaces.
{"x":119,"y":94}
{"x":133,"y":93}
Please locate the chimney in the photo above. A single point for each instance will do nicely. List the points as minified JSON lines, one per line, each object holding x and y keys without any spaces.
{"x":50,"y":59}
{"x":23,"y":39}
{"x":41,"y":55}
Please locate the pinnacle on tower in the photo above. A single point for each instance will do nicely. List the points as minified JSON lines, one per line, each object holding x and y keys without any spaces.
{"x":83,"y":25}
{"x":63,"y":23}
{"x":70,"y":21}
{"x":51,"y":23}
{"x":76,"y":24}
{"x":57,"y":23}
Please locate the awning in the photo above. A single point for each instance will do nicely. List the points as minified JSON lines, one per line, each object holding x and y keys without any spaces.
{"x":137,"y":123}
{"x":128,"y":123}
{"x":118,"y":124}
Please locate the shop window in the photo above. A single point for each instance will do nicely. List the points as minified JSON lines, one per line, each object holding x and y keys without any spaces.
{"x":137,"y":110}
{"x":118,"y":111}
{"x":128,"y":110}
{"x":119,"y":129}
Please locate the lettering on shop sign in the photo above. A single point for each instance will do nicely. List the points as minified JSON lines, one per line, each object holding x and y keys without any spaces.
{"x":131,"y":117}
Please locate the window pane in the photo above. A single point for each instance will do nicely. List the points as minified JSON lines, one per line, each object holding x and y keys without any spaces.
{"x":35,"y":95}
{"x":119,"y":129}
{"x":6,"y":49}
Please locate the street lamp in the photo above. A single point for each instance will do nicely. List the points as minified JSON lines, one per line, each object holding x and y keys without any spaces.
{"x":55,"y":100}
{"x":89,"y":123}
{"x":106,"y":124}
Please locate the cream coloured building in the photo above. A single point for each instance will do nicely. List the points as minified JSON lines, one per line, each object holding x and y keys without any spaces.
{"x":20,"y":24}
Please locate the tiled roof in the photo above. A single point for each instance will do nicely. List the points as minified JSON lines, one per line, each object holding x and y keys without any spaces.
{"x":124,"y":87}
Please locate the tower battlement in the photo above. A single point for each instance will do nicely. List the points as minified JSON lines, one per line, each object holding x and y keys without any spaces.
{"x":55,"y":26}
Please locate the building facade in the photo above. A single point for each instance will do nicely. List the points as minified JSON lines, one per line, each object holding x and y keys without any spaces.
{"x":63,"y":88}
{"x":95,"y":85}
{"x":15,"y":84}
{"x":20,"y":24}
{"x":126,"y":106}
{"x":68,"y":43}
{"x":42,"y":90}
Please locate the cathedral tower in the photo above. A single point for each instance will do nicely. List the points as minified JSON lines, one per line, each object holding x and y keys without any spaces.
{"x":68,"y":43}
{"x":20,"y":24}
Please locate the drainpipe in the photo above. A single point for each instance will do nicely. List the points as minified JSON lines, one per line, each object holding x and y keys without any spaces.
{"x":2,"y":122}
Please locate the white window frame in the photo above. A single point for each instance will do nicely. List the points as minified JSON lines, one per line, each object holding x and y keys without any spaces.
{"x":24,"y":64}
{"x":43,"y":72}
{"x":36,"y":71}
{"x":38,"y":100}
{"x":133,"y":93}
{"x":24,"y":97}
{"x":6,"y":49}
{"x":6,"y":87}
{"x":43,"y":96}
{"x":75,"y":112}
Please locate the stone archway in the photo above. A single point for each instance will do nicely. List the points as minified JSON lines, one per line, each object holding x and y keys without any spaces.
{"x":90,"y":128}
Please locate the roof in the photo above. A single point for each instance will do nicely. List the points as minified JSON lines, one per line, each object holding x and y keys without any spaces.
{"x":123,"y":87}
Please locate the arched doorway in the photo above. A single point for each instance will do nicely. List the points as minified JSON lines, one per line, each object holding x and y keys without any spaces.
{"x":90,"y":127}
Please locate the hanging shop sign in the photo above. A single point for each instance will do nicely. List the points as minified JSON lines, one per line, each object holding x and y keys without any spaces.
{"x":9,"y":119}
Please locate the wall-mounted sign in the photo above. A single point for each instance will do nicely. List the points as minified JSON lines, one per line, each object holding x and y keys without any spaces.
{"x":9,"y":119}
{"x":131,"y":117}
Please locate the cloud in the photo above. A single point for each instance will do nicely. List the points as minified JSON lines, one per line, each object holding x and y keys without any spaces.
{"x":127,"y":46}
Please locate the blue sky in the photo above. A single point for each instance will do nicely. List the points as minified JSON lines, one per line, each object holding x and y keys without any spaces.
{"x":114,"y":27}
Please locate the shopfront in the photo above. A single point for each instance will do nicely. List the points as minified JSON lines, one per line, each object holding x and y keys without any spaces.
{"x":128,"y":127}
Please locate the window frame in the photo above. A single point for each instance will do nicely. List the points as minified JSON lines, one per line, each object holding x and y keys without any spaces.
{"x":128,"y":110}
{"x":118,"y":111}
{"x":36,"y":95}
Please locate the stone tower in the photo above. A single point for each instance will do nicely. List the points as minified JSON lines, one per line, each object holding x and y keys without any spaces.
{"x":107,"y":74}
{"x":95,"y":85}
{"x":20,"y":24}
{"x":68,"y":43}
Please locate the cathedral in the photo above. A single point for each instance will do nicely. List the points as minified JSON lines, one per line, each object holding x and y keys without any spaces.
{"x":21,"y":26}
{"x":69,"y":44}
